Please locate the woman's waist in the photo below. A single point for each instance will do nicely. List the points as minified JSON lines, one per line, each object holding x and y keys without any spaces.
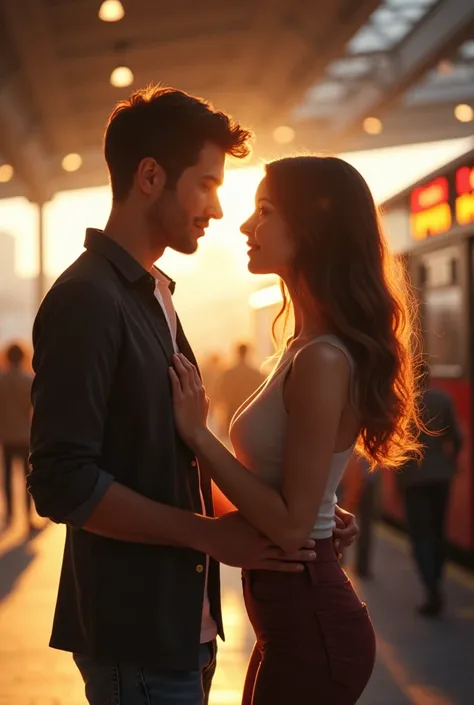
{"x":318,"y":578}
{"x":326,"y":555}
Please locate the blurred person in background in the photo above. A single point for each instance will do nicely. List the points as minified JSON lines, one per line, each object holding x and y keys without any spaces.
{"x":211,"y":369}
{"x":15,"y":419}
{"x":236,"y":384}
{"x":346,"y":379}
{"x":425,"y":489}
{"x":359,"y":494}
{"x":139,"y":599}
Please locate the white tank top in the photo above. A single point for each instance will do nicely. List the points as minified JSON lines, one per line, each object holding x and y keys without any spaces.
{"x":258,"y":432}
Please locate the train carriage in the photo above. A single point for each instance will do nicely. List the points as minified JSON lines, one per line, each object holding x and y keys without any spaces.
{"x":431,"y":225}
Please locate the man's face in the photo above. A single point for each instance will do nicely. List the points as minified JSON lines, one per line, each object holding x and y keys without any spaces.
{"x":179,"y":216}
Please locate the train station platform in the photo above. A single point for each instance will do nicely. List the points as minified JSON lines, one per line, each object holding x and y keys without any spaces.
{"x":420,"y":662}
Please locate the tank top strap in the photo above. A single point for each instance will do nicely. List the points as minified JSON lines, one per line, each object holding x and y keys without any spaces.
{"x":337,"y":343}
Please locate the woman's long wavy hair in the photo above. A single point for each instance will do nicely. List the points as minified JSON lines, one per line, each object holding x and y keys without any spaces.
{"x":343,"y":261}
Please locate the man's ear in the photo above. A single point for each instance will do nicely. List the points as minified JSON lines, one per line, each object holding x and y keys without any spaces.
{"x":150,"y":177}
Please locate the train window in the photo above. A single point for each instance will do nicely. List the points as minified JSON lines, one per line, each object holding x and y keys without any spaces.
{"x":442,"y":329}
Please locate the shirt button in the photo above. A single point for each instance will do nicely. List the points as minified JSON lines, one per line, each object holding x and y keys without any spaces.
{"x":199,"y":568}
{"x":193,"y":463}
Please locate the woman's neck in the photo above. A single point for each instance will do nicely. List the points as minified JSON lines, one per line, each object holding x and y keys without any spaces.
{"x":309,"y":323}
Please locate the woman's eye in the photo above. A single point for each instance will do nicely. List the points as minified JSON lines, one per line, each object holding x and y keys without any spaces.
{"x":262,"y":211}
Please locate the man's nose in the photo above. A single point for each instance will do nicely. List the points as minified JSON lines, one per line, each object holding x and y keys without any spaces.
{"x":216,"y":211}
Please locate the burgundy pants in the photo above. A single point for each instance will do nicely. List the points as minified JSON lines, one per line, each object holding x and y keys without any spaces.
{"x":315,"y":641}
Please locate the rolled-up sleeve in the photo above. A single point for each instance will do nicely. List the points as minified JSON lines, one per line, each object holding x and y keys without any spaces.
{"x":76,"y":338}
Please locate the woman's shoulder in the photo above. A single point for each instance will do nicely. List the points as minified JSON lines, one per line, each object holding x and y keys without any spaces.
{"x":321,"y":367}
{"x":326,"y":354}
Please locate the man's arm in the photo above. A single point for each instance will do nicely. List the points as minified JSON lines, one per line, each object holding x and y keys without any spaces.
{"x":77,"y":339}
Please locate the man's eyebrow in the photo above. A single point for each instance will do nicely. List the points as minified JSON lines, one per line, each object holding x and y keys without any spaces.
{"x":214,"y":179}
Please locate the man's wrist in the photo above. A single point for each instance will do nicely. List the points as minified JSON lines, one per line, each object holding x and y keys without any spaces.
{"x":204,"y":538}
{"x":200,"y":438}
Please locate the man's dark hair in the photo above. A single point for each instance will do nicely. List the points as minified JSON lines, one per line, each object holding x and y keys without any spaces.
{"x":170,"y":126}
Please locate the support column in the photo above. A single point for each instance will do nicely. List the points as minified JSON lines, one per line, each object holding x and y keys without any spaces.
{"x":40,"y":292}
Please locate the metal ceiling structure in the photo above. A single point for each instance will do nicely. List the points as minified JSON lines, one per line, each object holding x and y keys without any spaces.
{"x":320,"y":68}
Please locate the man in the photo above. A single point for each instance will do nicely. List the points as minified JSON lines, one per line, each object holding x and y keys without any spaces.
{"x":138,"y":600}
{"x":15,"y":416}
{"x":235,"y":385}
{"x":359,"y":491}
{"x":425,"y":489}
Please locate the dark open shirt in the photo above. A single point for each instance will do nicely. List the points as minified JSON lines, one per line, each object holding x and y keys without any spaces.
{"x":102,"y":411}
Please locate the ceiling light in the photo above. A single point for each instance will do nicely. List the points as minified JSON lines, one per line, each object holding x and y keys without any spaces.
{"x":445,"y":67}
{"x":72,"y":162}
{"x":111,"y":11}
{"x":373,"y":126}
{"x":283,"y":134}
{"x":464,"y":113}
{"x":6,"y":173}
{"x":121,"y":77}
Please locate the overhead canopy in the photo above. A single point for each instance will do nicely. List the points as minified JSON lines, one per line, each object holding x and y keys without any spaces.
{"x":320,"y":68}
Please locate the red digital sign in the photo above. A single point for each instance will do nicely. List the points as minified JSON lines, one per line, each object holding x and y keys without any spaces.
{"x":430,"y":212}
{"x":464,"y":204}
{"x":443,"y":202}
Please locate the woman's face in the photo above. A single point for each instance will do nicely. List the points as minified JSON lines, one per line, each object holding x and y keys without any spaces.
{"x":271,"y":247}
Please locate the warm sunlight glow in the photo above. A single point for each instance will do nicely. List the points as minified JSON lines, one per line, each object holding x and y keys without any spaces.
{"x":71,"y":212}
{"x":372,"y":126}
{"x":284,"y":134}
{"x":72,"y":162}
{"x":265,"y":297}
{"x":111,"y":11}
{"x":121,"y":77}
{"x":223,"y":238}
{"x":464,"y":113}
{"x":213,"y":285}
{"x":6,"y":173}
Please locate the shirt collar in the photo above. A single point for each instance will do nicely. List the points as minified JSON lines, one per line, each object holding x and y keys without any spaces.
{"x":162,"y":278}
{"x":132,"y":270}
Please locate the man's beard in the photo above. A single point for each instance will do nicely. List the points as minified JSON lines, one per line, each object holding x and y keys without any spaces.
{"x":169,"y":224}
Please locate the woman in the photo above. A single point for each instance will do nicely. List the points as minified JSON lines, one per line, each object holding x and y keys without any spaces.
{"x":345,"y":379}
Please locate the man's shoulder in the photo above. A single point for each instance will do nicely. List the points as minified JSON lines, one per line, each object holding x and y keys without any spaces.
{"x":91,"y":274}
{"x":90,"y":267}
{"x":87,"y":290}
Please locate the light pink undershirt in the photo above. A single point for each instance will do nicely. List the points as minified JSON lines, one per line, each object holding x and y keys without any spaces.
{"x":163,"y":296}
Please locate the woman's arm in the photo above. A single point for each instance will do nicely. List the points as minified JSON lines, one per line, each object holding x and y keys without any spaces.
{"x":222,"y":505}
{"x":317,"y":393}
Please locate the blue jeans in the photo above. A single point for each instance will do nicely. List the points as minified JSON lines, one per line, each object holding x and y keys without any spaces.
{"x":129,"y":684}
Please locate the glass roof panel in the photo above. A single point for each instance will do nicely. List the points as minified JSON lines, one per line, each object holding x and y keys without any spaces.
{"x":393,"y":20}
{"x":351,"y":67}
{"x":387,"y":27}
{"x":466,"y":50}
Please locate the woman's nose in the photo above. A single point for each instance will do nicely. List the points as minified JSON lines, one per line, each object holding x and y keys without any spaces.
{"x":247,"y":227}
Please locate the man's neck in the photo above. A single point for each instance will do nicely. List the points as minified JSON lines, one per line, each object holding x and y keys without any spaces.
{"x":133,"y":237}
